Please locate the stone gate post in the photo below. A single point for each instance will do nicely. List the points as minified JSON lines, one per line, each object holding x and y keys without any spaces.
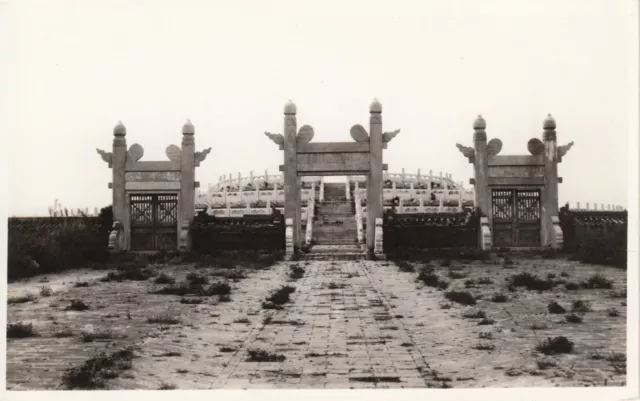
{"x":119,"y":161}
{"x":187,"y":184}
{"x":550,"y":189}
{"x":374,"y":181}
{"x":292,"y":206}
{"x":481,"y":169}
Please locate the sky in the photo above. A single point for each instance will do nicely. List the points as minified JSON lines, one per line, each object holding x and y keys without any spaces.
{"x":73,"y":69}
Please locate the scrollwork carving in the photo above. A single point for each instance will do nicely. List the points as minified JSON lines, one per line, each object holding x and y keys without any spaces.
{"x":467,"y":152}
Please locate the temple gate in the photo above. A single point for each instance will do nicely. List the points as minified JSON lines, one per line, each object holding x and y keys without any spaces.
{"x":517,"y":194}
{"x":153,"y":201}
{"x":362,"y":157}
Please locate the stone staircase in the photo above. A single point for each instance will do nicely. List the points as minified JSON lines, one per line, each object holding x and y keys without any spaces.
{"x":335,"y":234}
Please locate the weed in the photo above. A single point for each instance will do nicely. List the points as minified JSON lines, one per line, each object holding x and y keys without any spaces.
{"x":581,"y":306}
{"x":77,"y":305}
{"x":296,"y":272}
{"x":556,"y":345}
{"x":190,"y":301}
{"x":445,"y":262}
{"x":573,"y":318}
{"x":543,"y":364}
{"x":539,"y":326}
{"x":163,"y":278}
{"x":64,"y":332}
{"x":461,"y":297}
{"x":508,"y":262}
{"x":474,"y":314}
{"x":486,"y":322}
{"x":168,"y":354}
{"x":167,"y":386}
{"x":485,"y":347}
{"x":22,"y":299}
{"x":196,"y":278}
{"x":243,"y":320}
{"x":455,"y":274}
{"x":619,"y":294}
{"x":45,"y":291}
{"x":469,"y":284}
{"x":485,"y":335}
{"x":445,"y":306}
{"x":404,"y":266}
{"x":227,"y":349}
{"x":571,"y":286}
{"x":530,"y":282}
{"x":431,"y":279}
{"x":551,"y":276}
{"x":20,"y":330}
{"x":499,"y":298}
{"x":224,"y":298}
{"x":618,"y":362}
{"x":485,"y":280}
{"x":81,"y":284}
{"x":219,"y":288}
{"x":182,"y":371}
{"x":88,"y":337}
{"x":613,"y":312}
{"x":598,"y":281}
{"x":259,"y":355}
{"x":556,"y":308}
{"x":164,"y":318}
{"x":564,"y":274}
{"x":281,"y":295}
{"x":93,"y":372}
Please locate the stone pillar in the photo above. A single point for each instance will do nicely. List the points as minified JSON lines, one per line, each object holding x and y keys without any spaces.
{"x":550,"y":190}
{"x":374,"y":182}
{"x":481,"y":170}
{"x":291,"y":180}
{"x":187,"y":181}
{"x":119,"y":161}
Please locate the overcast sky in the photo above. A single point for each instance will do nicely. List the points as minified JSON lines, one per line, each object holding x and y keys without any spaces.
{"x":77,"y":67}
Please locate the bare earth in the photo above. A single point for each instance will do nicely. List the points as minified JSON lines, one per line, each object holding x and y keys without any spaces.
{"x":350,"y":324}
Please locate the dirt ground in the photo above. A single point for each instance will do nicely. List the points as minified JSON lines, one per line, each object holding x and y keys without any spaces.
{"x":349,"y":324}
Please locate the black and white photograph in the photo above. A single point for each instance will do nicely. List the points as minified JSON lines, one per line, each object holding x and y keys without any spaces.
{"x":392,"y":199}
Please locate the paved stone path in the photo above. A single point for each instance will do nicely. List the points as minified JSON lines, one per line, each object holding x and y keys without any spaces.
{"x":349,"y":324}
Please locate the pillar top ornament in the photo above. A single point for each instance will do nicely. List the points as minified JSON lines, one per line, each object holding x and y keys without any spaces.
{"x":290,"y":108}
{"x":375,"y":106}
{"x":549,"y":123}
{"x":479,"y":123}
{"x":187,"y":128}
{"x":119,"y":130}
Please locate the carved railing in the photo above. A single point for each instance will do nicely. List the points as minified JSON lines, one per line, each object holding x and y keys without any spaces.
{"x":310,"y":215}
{"x":359,"y":217}
{"x":288,"y":235}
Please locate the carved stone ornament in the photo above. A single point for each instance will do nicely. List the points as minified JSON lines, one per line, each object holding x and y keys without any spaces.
{"x":494,"y":147}
{"x":278,"y":139}
{"x":201,"y":156}
{"x":467,"y":152}
{"x":535,"y":146}
{"x":388,"y":136}
{"x":359,"y":134}
{"x":106,"y":156}
{"x":305,"y":134}
{"x":174,"y":153}
{"x":135,"y":152}
{"x":562,"y":150}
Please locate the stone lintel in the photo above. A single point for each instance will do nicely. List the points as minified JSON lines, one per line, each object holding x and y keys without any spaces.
{"x":516,"y":160}
{"x":333,"y":147}
{"x":516,"y":181}
{"x":153,"y":166}
{"x":153,"y":186}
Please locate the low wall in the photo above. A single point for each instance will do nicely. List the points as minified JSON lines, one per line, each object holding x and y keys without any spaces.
{"x":255,"y":232}
{"x":430,"y":231}
{"x":38,"y":245}
{"x":595,"y":236}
